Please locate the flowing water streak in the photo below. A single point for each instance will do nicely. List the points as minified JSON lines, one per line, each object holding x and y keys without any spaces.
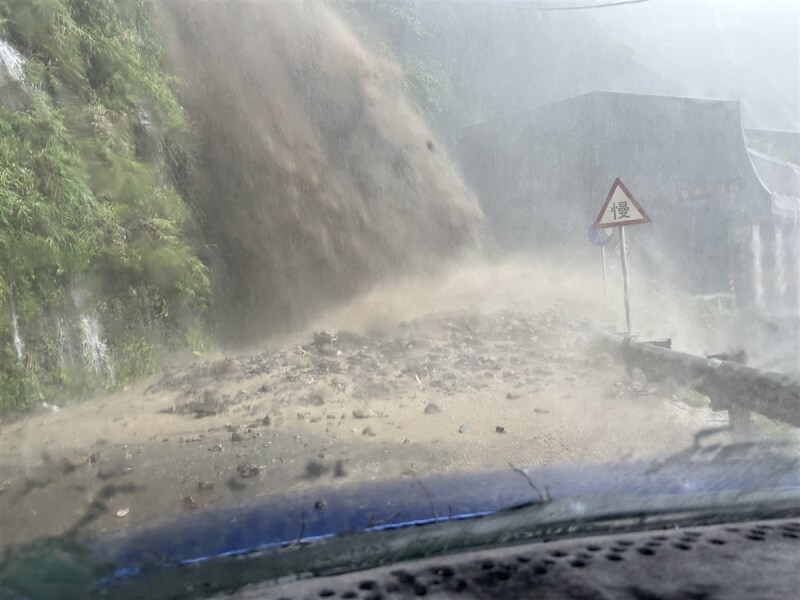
{"x":758,"y":274}
{"x":780,"y":265}
{"x":94,"y":347}
{"x":13,"y":67}
{"x":19,"y":347}
{"x":12,"y":61}
{"x":62,"y":344}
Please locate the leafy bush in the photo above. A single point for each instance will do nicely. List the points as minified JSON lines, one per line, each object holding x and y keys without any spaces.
{"x":86,"y":202}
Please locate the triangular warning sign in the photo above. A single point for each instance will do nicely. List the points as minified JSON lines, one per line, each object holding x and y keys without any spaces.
{"x":620,"y":208}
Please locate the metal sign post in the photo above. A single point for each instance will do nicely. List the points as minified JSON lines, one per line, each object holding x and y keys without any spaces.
{"x":605,"y":277}
{"x":602,"y":237}
{"x":621,"y":210}
{"x":623,"y":251}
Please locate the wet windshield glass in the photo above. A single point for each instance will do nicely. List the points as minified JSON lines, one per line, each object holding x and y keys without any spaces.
{"x":258,"y":247}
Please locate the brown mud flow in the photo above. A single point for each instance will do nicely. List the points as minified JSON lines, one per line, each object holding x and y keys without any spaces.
{"x":316,"y":178}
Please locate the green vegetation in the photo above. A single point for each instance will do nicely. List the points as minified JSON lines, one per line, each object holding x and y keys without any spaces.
{"x":694,"y":399}
{"x":766,"y":428}
{"x":90,"y":223}
{"x":770,"y":149}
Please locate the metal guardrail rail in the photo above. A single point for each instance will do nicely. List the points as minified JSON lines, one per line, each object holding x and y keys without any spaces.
{"x":730,"y":385}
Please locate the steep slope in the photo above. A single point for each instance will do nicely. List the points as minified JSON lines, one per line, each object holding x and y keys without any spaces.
{"x":98,"y":257}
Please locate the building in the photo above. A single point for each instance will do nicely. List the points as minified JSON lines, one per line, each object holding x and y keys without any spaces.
{"x":725,"y":216}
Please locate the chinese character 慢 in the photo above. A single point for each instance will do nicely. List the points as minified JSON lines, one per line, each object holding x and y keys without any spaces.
{"x":620,"y":210}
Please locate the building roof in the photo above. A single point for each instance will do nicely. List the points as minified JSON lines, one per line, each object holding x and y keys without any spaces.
{"x":695,"y":144}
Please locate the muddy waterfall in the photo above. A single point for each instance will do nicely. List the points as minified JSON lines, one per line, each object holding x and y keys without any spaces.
{"x":316,"y":177}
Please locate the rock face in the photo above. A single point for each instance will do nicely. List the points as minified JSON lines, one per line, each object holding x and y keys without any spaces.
{"x":316,"y":178}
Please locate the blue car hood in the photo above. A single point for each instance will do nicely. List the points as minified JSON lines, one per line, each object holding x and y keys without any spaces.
{"x":322,"y":513}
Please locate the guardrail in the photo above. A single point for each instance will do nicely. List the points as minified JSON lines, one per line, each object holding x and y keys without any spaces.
{"x":730,"y":385}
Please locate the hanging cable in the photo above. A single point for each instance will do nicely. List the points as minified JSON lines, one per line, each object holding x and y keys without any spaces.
{"x":588,"y":6}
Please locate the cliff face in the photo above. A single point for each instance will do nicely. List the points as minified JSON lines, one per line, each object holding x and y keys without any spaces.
{"x":99,"y":269}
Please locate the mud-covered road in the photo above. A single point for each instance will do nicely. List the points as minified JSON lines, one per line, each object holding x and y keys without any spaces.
{"x":454,"y":390}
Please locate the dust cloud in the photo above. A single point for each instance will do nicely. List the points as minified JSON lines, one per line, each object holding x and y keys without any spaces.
{"x":521,"y":282}
{"x":316,"y":177}
{"x":531,"y":283}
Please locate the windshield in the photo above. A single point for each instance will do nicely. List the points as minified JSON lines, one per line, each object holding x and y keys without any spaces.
{"x":253,"y":248}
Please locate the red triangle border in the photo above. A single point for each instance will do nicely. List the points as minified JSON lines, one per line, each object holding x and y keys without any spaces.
{"x":618,"y":184}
